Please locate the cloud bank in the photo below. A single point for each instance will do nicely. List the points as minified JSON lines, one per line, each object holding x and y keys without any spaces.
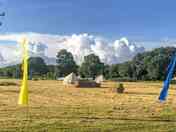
{"x":80,"y":45}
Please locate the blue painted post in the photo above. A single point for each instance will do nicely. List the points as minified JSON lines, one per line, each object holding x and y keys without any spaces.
{"x":170,"y":72}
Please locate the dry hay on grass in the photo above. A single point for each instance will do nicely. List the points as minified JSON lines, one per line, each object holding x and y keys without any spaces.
{"x":55,"y":108}
{"x":70,"y":85}
{"x":8,"y":83}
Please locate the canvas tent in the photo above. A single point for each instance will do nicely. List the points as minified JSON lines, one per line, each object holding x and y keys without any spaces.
{"x":70,"y":79}
{"x":99,"y":79}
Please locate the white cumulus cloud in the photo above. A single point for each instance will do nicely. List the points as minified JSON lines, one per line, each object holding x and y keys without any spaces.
{"x":80,"y":45}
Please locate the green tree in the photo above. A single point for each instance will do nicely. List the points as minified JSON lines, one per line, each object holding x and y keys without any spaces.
{"x":65,"y":63}
{"x":152,"y":65}
{"x":106,"y":71}
{"x":125,"y":70}
{"x":92,"y":66}
{"x":11,"y":71}
{"x":138,"y":68}
{"x":114,"y":71}
{"x":157,"y":61}
{"x":37,"y":66}
{"x":51,"y":74}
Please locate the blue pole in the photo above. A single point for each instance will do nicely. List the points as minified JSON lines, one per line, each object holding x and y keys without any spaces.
{"x":170,"y":72}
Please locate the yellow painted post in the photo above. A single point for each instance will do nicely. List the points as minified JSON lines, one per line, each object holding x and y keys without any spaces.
{"x":23,"y":96}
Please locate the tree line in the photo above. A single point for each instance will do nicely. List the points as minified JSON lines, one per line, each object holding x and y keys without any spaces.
{"x":150,"y":65}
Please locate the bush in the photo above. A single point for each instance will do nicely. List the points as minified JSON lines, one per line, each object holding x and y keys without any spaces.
{"x":35,"y":79}
{"x":120,"y":88}
{"x":173,"y":82}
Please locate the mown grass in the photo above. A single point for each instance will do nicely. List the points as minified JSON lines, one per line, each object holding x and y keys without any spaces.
{"x":56,"y":108}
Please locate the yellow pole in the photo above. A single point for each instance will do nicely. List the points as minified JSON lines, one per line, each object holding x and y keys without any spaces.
{"x":23,"y":96}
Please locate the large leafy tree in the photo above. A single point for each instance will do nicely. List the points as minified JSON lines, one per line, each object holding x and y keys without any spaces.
{"x":138,"y":68}
{"x":65,"y":63}
{"x":114,"y":71}
{"x":51,"y":74}
{"x":125,"y":70}
{"x":157,"y":61}
{"x":37,"y":66}
{"x":152,"y":65}
{"x":92,"y":66}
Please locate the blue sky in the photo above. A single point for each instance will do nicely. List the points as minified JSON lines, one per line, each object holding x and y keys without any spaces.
{"x":138,"y":20}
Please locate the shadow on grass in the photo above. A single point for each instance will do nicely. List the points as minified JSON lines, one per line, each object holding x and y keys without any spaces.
{"x":141,"y":93}
{"x":154,"y":119}
{"x":12,"y":91}
{"x":87,"y":118}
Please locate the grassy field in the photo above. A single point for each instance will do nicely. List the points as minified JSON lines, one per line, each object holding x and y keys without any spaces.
{"x":55,"y":108}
